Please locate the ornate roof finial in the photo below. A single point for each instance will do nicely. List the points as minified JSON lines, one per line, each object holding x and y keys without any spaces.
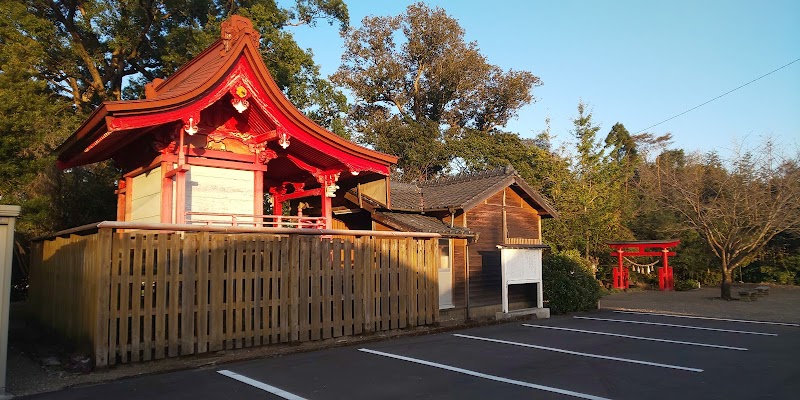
{"x":236,"y":27}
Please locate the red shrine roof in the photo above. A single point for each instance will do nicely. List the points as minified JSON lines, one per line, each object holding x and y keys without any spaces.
{"x":231,"y":67}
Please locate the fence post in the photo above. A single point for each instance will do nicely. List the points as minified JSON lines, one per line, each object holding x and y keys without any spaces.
{"x":433,"y":277}
{"x":294,"y":286}
{"x":8,"y":215}
{"x":102,"y":264}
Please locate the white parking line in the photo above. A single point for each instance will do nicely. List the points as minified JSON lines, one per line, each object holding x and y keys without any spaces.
{"x":579,"y":353}
{"x":677,"y":326}
{"x":716,"y":346}
{"x":263,"y":386}
{"x":708,"y":318}
{"x":485,"y":376}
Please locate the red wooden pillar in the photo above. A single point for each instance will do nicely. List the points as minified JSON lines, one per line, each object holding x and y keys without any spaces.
{"x":326,"y":210}
{"x":625,"y":278}
{"x":121,"y":194}
{"x":180,"y":196}
{"x":166,"y":193}
{"x":258,"y":195}
{"x":663,"y":280}
{"x":180,"y":175}
{"x":669,"y":282}
{"x":327,"y":183}
{"x":277,"y":206}
{"x":670,"y":279}
{"x":617,"y":272}
{"x":128,"y":197}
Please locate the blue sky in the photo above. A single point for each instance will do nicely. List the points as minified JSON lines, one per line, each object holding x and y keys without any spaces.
{"x":635,"y":62}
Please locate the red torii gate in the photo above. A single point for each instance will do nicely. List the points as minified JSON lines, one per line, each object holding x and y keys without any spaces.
{"x":666,"y":280}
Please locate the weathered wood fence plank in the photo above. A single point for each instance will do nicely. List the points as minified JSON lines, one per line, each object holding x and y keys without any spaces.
{"x":142,"y":295}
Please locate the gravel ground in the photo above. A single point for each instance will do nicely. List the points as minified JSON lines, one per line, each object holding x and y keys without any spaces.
{"x":30,"y":350}
{"x":781,"y":305}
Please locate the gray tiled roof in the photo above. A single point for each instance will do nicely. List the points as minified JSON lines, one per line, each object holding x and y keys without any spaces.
{"x":406,"y":196}
{"x":418,"y":223}
{"x":460,"y":191}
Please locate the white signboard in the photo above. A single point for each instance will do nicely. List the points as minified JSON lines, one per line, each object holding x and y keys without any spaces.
{"x":220,"y":190}
{"x":521,"y":265}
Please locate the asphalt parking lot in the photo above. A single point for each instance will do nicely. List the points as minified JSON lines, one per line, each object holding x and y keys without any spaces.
{"x":600,"y":355}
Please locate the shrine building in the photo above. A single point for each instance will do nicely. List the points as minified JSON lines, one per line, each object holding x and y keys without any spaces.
{"x":205,"y":145}
{"x":218,"y":143}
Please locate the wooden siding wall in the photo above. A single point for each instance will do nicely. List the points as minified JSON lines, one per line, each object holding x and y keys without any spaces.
{"x":484,"y":258}
{"x":139,"y":296}
{"x":145,"y":194}
{"x":459,"y":267}
{"x":522,"y":219}
{"x":337,"y":224}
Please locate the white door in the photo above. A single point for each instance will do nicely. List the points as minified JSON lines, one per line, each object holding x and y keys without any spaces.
{"x":445,"y":274}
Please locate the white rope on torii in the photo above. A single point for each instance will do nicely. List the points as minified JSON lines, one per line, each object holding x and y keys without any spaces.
{"x":640,"y":268}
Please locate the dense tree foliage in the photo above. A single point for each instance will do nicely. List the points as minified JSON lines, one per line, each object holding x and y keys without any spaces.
{"x":571,"y":286}
{"x":588,"y":193}
{"x":420,"y":90}
{"x":737,"y":206}
{"x":779,"y":263}
{"x":95,"y":50}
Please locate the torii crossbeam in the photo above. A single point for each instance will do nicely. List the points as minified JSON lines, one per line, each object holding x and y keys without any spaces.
{"x":666,"y":280}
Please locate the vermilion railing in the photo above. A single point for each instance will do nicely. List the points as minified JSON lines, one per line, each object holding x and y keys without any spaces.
{"x":259,"y":221}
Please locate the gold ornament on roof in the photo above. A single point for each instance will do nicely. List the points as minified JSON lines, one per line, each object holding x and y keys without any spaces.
{"x":239,"y":100}
{"x":241,"y":91}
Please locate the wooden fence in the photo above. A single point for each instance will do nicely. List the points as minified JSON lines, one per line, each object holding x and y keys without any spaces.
{"x":148,"y":295}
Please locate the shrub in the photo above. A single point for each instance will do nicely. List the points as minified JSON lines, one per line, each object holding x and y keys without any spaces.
{"x":568,"y":285}
{"x":682,"y":285}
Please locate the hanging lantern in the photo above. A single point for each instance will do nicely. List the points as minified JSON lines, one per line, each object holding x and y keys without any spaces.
{"x":283,"y":141}
{"x":190,"y":127}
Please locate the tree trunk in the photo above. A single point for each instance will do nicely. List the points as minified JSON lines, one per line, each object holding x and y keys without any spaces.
{"x":726,"y":284}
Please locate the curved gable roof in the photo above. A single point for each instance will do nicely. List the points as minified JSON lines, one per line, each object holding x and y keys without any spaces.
{"x":198,"y":84}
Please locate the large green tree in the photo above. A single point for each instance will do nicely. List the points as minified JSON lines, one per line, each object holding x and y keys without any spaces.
{"x":419,"y":88}
{"x":95,"y":50}
{"x":589,"y":194}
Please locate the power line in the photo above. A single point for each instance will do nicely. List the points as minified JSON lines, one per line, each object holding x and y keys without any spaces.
{"x":722,"y":95}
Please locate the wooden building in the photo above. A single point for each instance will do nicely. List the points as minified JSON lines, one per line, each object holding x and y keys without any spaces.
{"x":217,"y":143}
{"x":206,"y":144}
{"x":474,"y":213}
